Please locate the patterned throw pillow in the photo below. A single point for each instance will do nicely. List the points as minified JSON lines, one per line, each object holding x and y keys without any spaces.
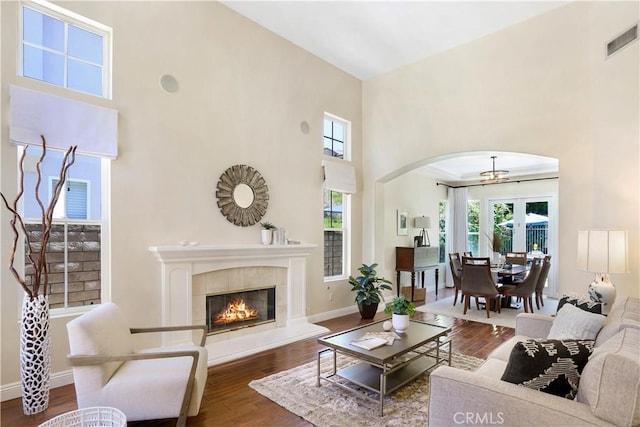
{"x":583,"y":302}
{"x":550,"y":366}
{"x":571,"y":323}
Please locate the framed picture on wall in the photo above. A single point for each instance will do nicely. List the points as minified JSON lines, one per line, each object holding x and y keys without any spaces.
{"x":402,"y":223}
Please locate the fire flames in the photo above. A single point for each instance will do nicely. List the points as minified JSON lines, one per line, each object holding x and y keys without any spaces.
{"x":236,"y":311}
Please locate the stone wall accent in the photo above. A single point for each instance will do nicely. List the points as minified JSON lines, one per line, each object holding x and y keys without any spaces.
{"x":83,"y":263}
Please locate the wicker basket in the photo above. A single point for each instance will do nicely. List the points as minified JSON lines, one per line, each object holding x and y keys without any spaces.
{"x":419,"y":294}
{"x":99,"y":416}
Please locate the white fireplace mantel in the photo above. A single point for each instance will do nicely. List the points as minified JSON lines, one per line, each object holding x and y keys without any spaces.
{"x":180,"y":263}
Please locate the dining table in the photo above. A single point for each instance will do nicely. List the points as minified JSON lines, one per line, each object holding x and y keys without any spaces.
{"x":509,"y":271}
{"x":506,"y":273}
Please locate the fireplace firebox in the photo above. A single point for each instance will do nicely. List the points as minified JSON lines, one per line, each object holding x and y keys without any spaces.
{"x":240,"y":309}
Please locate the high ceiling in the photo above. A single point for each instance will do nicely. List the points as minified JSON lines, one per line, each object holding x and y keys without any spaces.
{"x":368,"y":38}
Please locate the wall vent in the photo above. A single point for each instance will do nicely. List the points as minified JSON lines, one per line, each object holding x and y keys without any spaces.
{"x":622,"y":40}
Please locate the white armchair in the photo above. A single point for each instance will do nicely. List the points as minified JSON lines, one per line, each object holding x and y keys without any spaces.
{"x":166,"y":382}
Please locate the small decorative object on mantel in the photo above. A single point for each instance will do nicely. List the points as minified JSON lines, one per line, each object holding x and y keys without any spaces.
{"x":35,"y":344}
{"x":242,"y":195}
{"x":401,"y":309}
{"x":267,"y":232}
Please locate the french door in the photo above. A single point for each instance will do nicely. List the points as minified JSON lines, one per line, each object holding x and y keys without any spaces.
{"x":526,"y":224}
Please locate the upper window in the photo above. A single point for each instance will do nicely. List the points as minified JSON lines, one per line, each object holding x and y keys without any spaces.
{"x":336,"y":137}
{"x":64,"y":49}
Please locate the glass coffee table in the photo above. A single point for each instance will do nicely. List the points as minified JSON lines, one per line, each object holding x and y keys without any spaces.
{"x":386,"y":368}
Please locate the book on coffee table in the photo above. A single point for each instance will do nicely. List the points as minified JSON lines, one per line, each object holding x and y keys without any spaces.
{"x":372,"y":340}
{"x":369,"y":343}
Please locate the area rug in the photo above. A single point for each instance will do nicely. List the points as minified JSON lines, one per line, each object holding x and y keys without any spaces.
{"x":507,"y":316}
{"x":329,"y":406}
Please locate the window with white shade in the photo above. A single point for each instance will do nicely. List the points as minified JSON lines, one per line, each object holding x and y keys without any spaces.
{"x":339,"y":184}
{"x":62,"y":48}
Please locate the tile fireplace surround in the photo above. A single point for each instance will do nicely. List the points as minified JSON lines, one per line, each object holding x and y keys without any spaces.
{"x":188,"y":273}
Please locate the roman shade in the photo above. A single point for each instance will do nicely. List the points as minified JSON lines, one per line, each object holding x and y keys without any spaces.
{"x":63,"y":122}
{"x":339,"y":177}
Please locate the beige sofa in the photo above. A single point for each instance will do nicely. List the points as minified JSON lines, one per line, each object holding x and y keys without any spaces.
{"x":608,"y":391}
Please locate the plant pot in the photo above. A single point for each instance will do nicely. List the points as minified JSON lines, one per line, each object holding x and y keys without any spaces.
{"x":35,"y":354}
{"x":267,"y":236}
{"x":368,"y":311}
{"x":400,"y":322}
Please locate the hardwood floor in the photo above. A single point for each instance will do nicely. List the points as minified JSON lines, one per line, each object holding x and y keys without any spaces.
{"x":229,"y":401}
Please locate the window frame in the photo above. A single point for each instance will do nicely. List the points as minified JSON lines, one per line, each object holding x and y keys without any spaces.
{"x":105,"y":235}
{"x":346,"y":237}
{"x":68,"y":18}
{"x":346,"y":154}
{"x":473,"y":233}
{"x":346,"y":200}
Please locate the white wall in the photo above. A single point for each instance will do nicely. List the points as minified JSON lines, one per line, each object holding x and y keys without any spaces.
{"x":243,"y":94}
{"x":541,"y":87}
{"x":418,"y":195}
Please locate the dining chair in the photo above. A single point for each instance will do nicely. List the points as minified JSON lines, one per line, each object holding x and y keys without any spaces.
{"x":526,"y":288}
{"x":517,"y":258}
{"x":477,"y":281}
{"x":456,"y":272}
{"x":542,"y":280}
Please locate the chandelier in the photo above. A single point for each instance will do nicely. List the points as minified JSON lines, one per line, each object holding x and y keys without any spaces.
{"x":494,"y":176}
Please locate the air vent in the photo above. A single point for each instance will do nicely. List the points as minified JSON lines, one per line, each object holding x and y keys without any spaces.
{"x":622,"y":40}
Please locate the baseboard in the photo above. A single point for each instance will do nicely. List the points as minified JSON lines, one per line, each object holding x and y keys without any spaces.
{"x":14,"y":390}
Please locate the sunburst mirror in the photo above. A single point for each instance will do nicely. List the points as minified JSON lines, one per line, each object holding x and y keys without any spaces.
{"x":242,"y":195}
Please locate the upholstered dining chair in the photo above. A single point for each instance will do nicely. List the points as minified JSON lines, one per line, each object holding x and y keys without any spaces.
{"x":166,"y":382}
{"x":517,"y":258}
{"x":456,"y":272}
{"x":477,"y":281}
{"x":526,"y":288}
{"x":542,"y":280}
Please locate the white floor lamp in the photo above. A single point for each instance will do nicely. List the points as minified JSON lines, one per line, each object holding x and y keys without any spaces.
{"x":603,"y":252}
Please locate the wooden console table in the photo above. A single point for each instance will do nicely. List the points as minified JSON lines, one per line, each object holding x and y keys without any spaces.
{"x":417,"y":260}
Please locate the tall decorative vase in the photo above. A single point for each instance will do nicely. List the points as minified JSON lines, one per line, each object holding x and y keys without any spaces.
{"x":35,"y":354}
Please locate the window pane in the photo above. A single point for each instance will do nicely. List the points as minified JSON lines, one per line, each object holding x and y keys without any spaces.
{"x":333,"y":249}
{"x":84,"y":77}
{"x":43,"y":30}
{"x":327,"y":128}
{"x":338,"y":131}
{"x":45,"y":66}
{"x":334,"y":137}
{"x":332,"y":209}
{"x":87,"y":169}
{"x":85,"y":45}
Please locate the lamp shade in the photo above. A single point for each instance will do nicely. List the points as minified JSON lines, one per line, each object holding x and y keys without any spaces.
{"x":603,"y":251}
{"x":422,"y":222}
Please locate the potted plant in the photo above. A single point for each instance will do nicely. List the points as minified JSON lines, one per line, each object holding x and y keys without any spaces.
{"x":267,"y":232}
{"x":401,"y":309}
{"x":368,"y":288}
